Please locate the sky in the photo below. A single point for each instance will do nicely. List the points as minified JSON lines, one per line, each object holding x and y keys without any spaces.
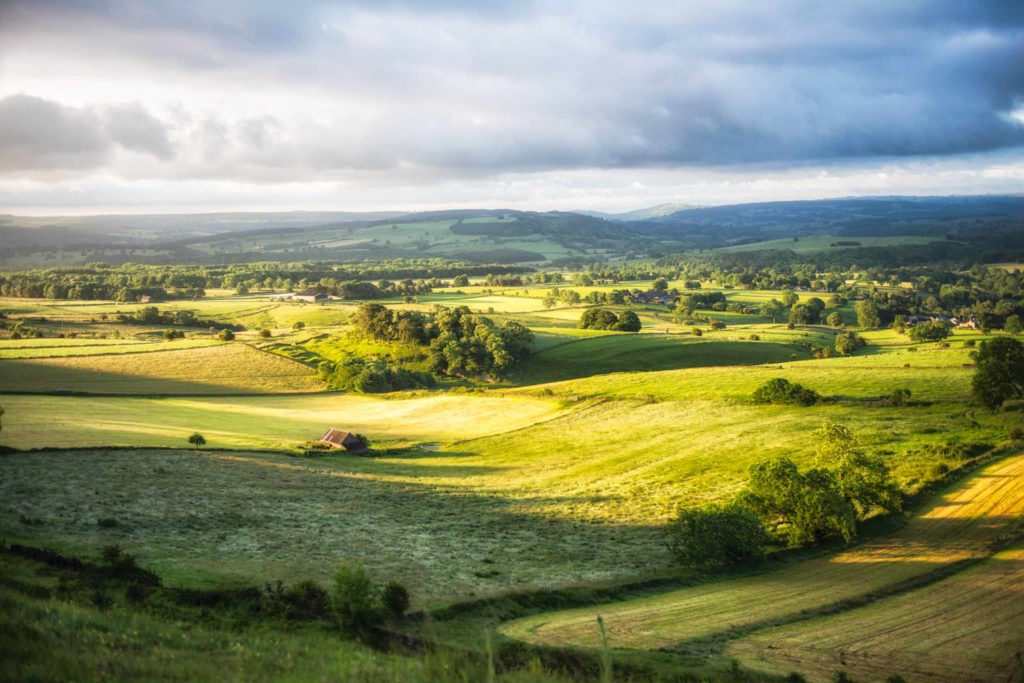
{"x":157,"y":106}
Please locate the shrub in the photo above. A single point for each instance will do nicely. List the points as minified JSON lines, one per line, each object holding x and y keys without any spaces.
{"x":265,"y":333}
{"x":299,"y":325}
{"x":781,"y":391}
{"x":106,"y":523}
{"x":355,"y":599}
{"x":899,"y":397}
{"x":1016,"y":433}
{"x":395,"y":599}
{"x":197,"y":440}
{"x":226,"y":335}
{"x":717,"y":536}
{"x":697,"y":332}
{"x":304,"y":600}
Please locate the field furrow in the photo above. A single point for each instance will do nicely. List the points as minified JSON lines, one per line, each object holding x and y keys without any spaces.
{"x":969,"y":627}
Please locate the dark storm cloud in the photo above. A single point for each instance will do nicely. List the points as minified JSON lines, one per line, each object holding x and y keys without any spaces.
{"x":497,"y":86}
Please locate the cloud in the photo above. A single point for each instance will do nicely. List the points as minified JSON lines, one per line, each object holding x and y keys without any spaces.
{"x":37,"y":134}
{"x":311,"y":91}
{"x":132,"y":127}
{"x":41,"y":135}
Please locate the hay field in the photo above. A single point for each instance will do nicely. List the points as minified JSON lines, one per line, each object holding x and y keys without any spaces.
{"x":221,"y":369}
{"x":961,"y":525}
{"x":966,"y":627}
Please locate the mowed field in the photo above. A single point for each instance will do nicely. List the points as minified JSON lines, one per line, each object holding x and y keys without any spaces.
{"x":961,"y":525}
{"x":969,"y":627}
{"x":234,"y":368}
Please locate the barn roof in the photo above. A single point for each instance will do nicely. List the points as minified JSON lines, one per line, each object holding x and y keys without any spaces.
{"x":336,"y":436}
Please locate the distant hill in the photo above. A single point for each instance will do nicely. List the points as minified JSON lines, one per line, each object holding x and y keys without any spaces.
{"x":497,"y":236}
{"x":958,"y":217}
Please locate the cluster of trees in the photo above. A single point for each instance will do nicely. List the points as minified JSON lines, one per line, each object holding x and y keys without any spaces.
{"x":468,"y":345}
{"x":151,"y":315}
{"x":603,"y":319}
{"x":134,"y":282}
{"x":461,"y":344}
{"x":781,"y":391}
{"x":796,"y":506}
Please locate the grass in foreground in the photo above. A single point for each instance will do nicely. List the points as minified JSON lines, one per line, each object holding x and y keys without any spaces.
{"x":51,"y":634}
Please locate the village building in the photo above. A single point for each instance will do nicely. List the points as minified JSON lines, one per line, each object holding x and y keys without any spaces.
{"x":655,"y":296}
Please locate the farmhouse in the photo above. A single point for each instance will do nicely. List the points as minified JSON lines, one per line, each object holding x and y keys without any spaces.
{"x":337,"y":438}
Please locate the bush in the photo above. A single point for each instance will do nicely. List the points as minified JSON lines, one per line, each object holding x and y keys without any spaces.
{"x":717,"y":536}
{"x":355,"y":599}
{"x":782,"y":391}
{"x":395,"y":599}
{"x":226,"y":335}
{"x":299,"y":326}
{"x":265,"y":333}
{"x":1016,"y":433}
{"x":697,"y":332}
{"x":899,"y":397}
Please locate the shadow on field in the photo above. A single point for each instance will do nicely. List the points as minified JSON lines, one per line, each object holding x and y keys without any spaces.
{"x":257,"y":517}
{"x":648,"y":352}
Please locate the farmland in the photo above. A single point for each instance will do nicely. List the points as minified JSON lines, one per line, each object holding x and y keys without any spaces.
{"x":559,"y":477}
